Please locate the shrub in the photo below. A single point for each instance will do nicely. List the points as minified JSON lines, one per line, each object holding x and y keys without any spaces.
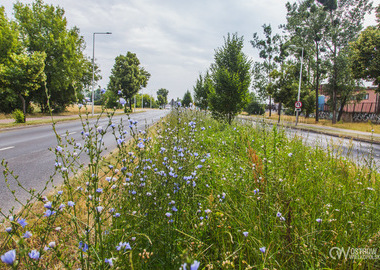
{"x":19,"y":116}
{"x":255,"y":107}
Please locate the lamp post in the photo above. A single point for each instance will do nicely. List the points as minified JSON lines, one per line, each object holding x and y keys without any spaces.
{"x":93,"y":65}
{"x":299,"y":83}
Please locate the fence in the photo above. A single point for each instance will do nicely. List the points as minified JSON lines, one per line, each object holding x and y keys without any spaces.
{"x":355,"y":112}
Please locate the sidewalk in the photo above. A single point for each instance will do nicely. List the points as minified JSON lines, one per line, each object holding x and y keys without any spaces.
{"x":332,"y":131}
{"x":47,"y":119}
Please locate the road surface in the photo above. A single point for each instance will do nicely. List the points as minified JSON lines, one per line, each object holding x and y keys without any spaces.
{"x":26,"y":151}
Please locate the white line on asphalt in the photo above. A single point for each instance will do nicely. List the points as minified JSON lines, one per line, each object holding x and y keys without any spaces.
{"x":70,"y":133}
{"x":6,"y":148}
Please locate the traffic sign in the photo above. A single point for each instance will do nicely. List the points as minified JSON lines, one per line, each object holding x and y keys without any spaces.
{"x":298,"y":109}
{"x":298,"y":104}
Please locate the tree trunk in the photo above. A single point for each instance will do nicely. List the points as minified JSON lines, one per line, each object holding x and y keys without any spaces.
{"x":270,"y":106}
{"x":23,"y":106}
{"x":317,"y":86}
{"x":130,"y":104}
{"x":335,"y":74}
{"x":343,"y":103}
{"x":279,"y":112}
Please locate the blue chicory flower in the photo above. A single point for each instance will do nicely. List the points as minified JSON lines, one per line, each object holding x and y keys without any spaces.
{"x":9,"y":257}
{"x":27,"y":234}
{"x":34,"y":254}
{"x":22,"y":222}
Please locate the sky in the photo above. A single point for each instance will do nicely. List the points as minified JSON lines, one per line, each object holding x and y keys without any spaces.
{"x":175,"y":40}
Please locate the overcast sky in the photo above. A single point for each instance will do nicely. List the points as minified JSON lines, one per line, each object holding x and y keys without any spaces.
{"x":174,"y":39}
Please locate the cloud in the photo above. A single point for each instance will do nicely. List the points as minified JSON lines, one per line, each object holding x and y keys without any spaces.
{"x":174,"y":39}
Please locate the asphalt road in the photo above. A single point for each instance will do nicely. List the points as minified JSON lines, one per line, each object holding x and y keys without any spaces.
{"x":362,"y":153}
{"x":27,"y":152}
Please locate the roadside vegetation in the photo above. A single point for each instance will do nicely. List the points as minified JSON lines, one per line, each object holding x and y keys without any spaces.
{"x":194,"y":192}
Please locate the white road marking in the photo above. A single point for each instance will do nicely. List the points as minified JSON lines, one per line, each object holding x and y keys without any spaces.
{"x":6,"y":148}
{"x":70,"y":133}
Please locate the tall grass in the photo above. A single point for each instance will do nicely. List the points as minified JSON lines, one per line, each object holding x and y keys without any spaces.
{"x":195,"y":190}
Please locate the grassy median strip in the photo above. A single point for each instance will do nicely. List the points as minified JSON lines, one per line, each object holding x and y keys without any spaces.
{"x":199,"y":192}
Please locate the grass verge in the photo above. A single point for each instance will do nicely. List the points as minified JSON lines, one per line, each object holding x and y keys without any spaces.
{"x":199,"y":191}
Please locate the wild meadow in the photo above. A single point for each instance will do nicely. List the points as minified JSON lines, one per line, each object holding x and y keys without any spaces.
{"x":195,"y":193}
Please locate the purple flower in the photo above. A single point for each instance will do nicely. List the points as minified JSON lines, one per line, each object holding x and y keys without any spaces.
{"x":256,"y":191}
{"x":27,"y":234}
{"x":70,"y":203}
{"x":34,"y":254}
{"x":140,"y":145}
{"x":124,"y":245}
{"x":263,"y":249}
{"x":59,"y":148}
{"x":318,"y":220}
{"x":168,"y":214}
{"x":117,"y":215}
{"x":245,"y":234}
{"x":278,"y":214}
{"x":109,"y":261}
{"x":122,"y":101}
{"x":99,"y":190}
{"x":99,"y":209}
{"x":102,"y":91}
{"x":8,"y":230}
{"x":83,"y":246}
{"x":195,"y":265}
{"x":49,"y":213}
{"x":9,"y":257}
{"x":22,"y":222}
{"x":47,"y":205}
{"x":119,"y":92}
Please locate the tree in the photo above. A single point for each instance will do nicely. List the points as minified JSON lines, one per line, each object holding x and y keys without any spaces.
{"x":127,"y":76}
{"x":269,"y":51}
{"x":260,"y":80}
{"x":24,"y":75}
{"x":284,"y":86}
{"x":202,"y":90}
{"x":187,"y":99}
{"x":9,"y":44}
{"x":342,"y":86}
{"x":254,"y":106}
{"x":365,"y":55}
{"x":346,"y":21}
{"x":306,"y":25}
{"x":231,"y":75}
{"x":162,"y":96}
{"x":44,"y":28}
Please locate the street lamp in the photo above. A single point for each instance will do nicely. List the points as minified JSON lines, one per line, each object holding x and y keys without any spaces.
{"x":93,"y":64}
{"x":299,"y":83}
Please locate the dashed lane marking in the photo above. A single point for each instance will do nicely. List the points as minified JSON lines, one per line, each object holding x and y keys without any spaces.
{"x":6,"y":148}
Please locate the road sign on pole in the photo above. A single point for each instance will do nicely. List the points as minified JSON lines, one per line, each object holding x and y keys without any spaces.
{"x":298,"y":109}
{"x":298,"y":104}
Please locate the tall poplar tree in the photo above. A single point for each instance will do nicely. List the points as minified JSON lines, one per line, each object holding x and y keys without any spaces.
{"x":269,"y":50}
{"x":231,"y":75}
